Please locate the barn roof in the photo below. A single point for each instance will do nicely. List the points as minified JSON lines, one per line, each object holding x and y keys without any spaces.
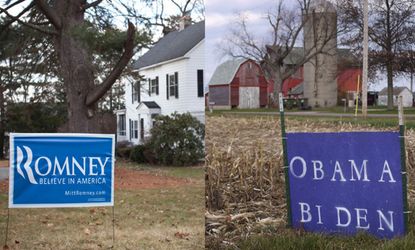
{"x":225,"y":72}
{"x":396,"y":90}
{"x":297,"y":90}
{"x":173,"y":45}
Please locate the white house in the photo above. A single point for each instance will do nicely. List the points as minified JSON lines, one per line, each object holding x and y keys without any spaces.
{"x":397,"y":91}
{"x":173,"y":82}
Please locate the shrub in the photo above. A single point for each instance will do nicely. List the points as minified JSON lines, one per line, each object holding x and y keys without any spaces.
{"x":123,"y":149}
{"x":137,"y":154}
{"x":177,"y":139}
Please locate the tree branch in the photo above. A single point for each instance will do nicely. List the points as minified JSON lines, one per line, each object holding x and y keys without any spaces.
{"x":15,"y":18}
{"x":49,"y":13}
{"x":32,"y":26}
{"x":11,"y":5}
{"x":100,"y":90}
{"x":93,"y":4}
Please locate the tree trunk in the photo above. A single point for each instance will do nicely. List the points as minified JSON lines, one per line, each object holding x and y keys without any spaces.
{"x":277,"y":87}
{"x":76,"y":64}
{"x":389,"y":72}
{"x":2,"y":123}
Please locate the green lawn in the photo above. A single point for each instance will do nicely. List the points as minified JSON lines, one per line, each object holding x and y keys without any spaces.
{"x":337,"y":109}
{"x":284,"y":238}
{"x":380,"y":122}
{"x":374,"y":122}
{"x":158,"y":218}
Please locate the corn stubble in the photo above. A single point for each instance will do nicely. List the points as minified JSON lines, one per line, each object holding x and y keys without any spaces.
{"x":245,"y":190}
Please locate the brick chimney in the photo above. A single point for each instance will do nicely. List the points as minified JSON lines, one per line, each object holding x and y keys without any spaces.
{"x":184,"y":22}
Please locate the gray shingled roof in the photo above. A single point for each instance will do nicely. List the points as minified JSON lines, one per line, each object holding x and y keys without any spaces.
{"x":173,"y":45}
{"x":396,"y":90}
{"x":225,"y":72}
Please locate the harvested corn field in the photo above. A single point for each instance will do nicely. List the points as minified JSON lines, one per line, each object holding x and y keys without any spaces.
{"x":245,"y":190}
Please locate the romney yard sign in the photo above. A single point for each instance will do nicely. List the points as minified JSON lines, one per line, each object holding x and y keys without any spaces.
{"x":346,"y":182}
{"x":61,"y":170}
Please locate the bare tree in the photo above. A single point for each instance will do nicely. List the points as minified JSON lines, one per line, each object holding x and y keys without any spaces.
{"x":280,"y":56}
{"x":160,"y":14}
{"x":391,"y":29}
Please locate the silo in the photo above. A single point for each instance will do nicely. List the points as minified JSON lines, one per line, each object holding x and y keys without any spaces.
{"x":320,"y":72}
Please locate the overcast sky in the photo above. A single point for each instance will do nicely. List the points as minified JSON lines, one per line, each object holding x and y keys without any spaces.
{"x":221,"y":15}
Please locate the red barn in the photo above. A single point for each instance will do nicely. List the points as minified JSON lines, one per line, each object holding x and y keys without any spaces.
{"x":347,"y":78}
{"x":346,"y":82}
{"x":238,"y":83}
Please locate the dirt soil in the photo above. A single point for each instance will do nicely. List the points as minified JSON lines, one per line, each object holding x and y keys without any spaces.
{"x":4,"y":163}
{"x":130,"y":179}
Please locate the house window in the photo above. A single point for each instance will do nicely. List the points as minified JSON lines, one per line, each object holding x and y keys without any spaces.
{"x":135,"y":129}
{"x":135,"y":92}
{"x":154,"y":86}
{"x":121,"y":125}
{"x":172,"y":85}
{"x":200,"y":83}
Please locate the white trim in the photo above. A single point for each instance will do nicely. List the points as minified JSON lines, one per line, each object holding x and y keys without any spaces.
{"x":50,"y":205}
{"x":119,"y":111}
{"x":161,"y":63}
{"x":194,"y":47}
{"x":11,"y":171}
{"x":61,"y":205}
{"x":62,"y":134}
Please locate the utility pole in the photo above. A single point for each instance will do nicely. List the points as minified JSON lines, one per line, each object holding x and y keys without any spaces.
{"x":365,"y":57}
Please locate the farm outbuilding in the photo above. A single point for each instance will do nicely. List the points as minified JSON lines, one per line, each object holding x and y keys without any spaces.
{"x":397,"y":91}
{"x":238,"y":83}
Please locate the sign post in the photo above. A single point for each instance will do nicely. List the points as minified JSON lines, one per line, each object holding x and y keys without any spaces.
{"x":403,"y":159}
{"x":285,"y":160}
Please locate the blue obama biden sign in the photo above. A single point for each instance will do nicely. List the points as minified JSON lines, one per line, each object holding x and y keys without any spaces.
{"x":346,"y":182}
{"x":61,"y":170}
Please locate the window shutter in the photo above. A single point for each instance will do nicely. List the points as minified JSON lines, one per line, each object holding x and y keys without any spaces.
{"x":157,"y":84}
{"x":176,"y":78}
{"x":132,"y":92}
{"x":149,"y":87}
{"x":200,"y":83}
{"x":167,"y":86}
{"x":131,"y":130}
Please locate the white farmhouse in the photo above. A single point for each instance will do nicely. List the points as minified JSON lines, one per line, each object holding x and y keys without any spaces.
{"x":173,"y":82}
{"x":397,"y":91}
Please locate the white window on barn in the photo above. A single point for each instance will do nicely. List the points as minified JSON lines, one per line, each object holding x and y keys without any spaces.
{"x":121,"y":125}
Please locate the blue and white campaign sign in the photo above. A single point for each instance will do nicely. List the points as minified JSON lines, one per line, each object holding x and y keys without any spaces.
{"x":346,"y":182}
{"x":61,"y":170}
